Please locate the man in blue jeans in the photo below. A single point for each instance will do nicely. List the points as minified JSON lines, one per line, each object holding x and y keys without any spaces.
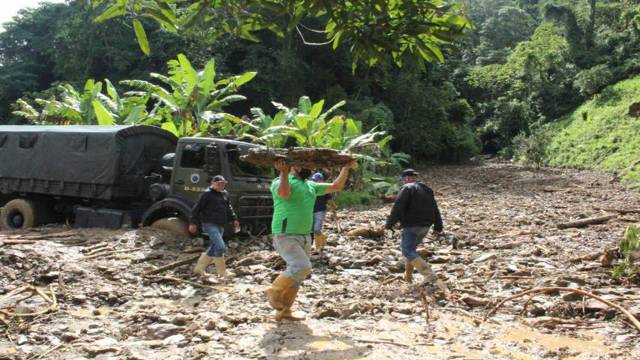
{"x":319,"y":214}
{"x":416,"y":210}
{"x":212,"y":212}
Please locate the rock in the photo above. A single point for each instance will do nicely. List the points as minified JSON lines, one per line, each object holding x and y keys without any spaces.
{"x":327,"y":313}
{"x":22,"y":339}
{"x":69,"y":337}
{"x":102,"y":346}
{"x":473,"y":301}
{"x":178,"y":339}
{"x":205,"y":335}
{"x":181,"y":319}
{"x":162,"y":331}
{"x":571,"y":297}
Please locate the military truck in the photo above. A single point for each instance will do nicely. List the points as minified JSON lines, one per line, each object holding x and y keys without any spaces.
{"x":114,"y":176}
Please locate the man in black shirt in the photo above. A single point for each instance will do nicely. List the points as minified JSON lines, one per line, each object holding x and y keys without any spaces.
{"x":416,"y":210}
{"x":211,"y":213}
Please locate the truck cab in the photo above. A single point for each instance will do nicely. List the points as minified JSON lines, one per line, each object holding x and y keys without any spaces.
{"x":194,"y":162}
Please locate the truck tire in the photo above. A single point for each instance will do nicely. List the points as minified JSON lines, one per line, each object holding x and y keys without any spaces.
{"x":173,"y":224}
{"x":18,"y":214}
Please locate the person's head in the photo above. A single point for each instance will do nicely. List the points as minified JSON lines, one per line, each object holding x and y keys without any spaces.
{"x":300,"y":172}
{"x":408,"y":176}
{"x":217,"y":183}
{"x":317,"y":177}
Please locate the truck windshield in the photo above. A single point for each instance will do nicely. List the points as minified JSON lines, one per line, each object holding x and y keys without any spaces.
{"x":241,"y":168}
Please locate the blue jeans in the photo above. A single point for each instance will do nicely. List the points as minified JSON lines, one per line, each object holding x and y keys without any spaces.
{"x":216,"y":249}
{"x":411,"y":237}
{"x":318,"y":221}
{"x":295,"y":250}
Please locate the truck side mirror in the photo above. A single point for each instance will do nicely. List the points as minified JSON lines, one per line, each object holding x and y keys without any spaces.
{"x":212,"y":159}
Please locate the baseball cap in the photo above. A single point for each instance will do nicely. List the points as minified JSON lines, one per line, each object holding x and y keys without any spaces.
{"x":408,"y":172}
{"x":317,"y":176}
{"x":218,"y":178}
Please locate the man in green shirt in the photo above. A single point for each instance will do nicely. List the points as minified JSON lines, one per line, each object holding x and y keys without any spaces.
{"x":293,"y":200}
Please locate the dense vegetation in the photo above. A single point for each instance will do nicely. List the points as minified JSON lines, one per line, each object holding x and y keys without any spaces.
{"x":525,"y":66}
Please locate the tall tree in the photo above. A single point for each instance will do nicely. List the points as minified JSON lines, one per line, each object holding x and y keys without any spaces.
{"x":372,"y":29}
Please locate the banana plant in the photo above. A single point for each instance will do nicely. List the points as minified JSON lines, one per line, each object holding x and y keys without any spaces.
{"x":190,"y":102}
{"x":89,"y":107}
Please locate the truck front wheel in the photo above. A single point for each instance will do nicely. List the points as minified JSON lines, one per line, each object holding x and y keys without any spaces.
{"x":173,"y":224}
{"x":18,"y":214}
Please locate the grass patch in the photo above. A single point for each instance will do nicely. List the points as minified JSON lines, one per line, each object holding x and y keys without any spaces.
{"x":356,"y":199}
{"x":599,"y":134}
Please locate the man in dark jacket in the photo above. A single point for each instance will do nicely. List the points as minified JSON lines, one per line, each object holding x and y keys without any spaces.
{"x":416,"y":210}
{"x":211,"y":213}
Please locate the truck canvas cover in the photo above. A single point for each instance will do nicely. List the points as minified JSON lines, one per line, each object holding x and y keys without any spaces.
{"x":104,"y":162}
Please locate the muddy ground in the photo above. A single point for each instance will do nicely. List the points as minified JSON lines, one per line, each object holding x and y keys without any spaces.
{"x":83,"y":293}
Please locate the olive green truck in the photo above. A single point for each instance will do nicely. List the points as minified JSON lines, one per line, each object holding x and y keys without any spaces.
{"x":122,"y":176}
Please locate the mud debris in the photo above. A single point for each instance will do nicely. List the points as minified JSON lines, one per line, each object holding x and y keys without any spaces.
{"x":130,"y":293}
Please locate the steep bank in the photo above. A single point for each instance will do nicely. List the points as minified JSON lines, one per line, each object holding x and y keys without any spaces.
{"x":600,"y":134}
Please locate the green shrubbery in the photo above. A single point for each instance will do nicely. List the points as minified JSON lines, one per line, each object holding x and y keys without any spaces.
{"x":629,"y":247}
{"x":599,"y":134}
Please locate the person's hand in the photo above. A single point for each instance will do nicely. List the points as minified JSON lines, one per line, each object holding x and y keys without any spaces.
{"x":236,"y":226}
{"x":193,"y":228}
{"x":281,"y":166}
{"x":353,"y":164}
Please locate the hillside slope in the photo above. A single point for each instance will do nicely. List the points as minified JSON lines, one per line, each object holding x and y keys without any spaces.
{"x":600,"y":134}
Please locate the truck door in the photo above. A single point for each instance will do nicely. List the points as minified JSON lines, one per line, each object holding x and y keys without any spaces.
{"x":190,"y":176}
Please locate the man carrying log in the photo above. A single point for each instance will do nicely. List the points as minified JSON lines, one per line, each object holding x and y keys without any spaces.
{"x":293,"y":200}
{"x":416,"y":209}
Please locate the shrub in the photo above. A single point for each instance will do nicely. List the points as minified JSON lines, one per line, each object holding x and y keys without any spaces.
{"x":532,"y":149}
{"x":629,"y":267}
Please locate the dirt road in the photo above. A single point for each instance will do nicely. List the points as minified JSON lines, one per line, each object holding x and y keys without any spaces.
{"x":68,"y":293}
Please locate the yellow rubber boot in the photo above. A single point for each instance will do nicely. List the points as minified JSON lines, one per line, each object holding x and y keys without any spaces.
{"x":319,"y":240}
{"x":289,"y":298}
{"x":425,"y":269}
{"x":275,"y":293}
{"x":202,"y":264}
{"x":408,"y":271}
{"x":221,"y":268}
{"x":429,"y":276}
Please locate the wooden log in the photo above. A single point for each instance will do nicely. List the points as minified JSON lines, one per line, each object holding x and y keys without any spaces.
{"x":586,"y":222}
{"x":620,"y":211}
{"x":306,"y":157}
{"x":630,"y":316}
{"x":173,"y":265}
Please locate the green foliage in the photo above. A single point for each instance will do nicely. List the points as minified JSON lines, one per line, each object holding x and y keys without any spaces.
{"x":89,"y":107}
{"x":309,"y":126}
{"x":371,"y":29}
{"x":599,"y":134}
{"x":629,"y":247}
{"x":59,"y":43}
{"x":355,"y":199}
{"x":191,"y":101}
{"x":429,"y":119}
{"x":592,"y":80}
{"x":532,"y":149}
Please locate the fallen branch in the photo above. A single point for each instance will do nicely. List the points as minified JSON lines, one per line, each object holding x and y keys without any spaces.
{"x":586,"y":222}
{"x":630,"y":316}
{"x":620,"y":211}
{"x":41,"y":356}
{"x":182,"y":281}
{"x":16,"y":242}
{"x":112,"y":252}
{"x":383,"y":342}
{"x":425,"y":304}
{"x":173,"y":265}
